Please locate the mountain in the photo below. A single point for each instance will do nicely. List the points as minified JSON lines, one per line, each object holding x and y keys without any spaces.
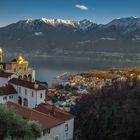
{"x":69,"y":37}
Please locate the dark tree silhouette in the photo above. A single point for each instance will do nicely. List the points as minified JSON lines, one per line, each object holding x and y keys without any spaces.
{"x":109,"y":114}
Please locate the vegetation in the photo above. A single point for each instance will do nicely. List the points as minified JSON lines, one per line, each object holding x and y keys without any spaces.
{"x":16,"y":128}
{"x":109,"y":114}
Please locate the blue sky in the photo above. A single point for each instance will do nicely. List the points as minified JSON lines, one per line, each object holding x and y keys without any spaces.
{"x":99,"y":11}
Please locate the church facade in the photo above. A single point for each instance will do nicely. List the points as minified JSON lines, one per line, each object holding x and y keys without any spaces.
{"x":19,"y":66}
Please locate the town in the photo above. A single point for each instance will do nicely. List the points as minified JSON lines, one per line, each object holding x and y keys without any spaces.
{"x":20,"y":91}
{"x":51,"y":106}
{"x":70,"y":88}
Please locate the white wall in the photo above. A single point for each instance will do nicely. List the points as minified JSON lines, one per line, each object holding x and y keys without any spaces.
{"x":60,"y":131}
{"x":55,"y":131}
{"x":41,"y":100}
{"x":70,"y":128}
{"x":32,"y":100}
{"x":14,"y":99}
{"x":3,"y":81}
{"x":33,"y":75}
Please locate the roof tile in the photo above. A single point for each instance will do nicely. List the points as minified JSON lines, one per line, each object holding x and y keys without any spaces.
{"x":8,"y":89}
{"x":26,"y":84}
{"x":44,"y":120}
{"x":55,"y":112}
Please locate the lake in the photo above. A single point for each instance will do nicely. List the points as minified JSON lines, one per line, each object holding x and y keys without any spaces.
{"x":48,"y":68}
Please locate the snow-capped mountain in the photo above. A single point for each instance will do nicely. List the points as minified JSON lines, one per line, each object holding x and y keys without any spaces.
{"x":57,"y":35}
{"x":83,"y":25}
{"x":86,"y":25}
{"x":56,"y":22}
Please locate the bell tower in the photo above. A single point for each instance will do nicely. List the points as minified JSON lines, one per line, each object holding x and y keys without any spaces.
{"x":1,"y":55}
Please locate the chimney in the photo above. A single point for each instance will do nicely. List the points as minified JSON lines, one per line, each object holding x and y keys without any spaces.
{"x":35,"y":86}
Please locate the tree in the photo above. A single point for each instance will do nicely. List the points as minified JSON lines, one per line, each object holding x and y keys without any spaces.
{"x":15,"y":127}
{"x":109,"y":114}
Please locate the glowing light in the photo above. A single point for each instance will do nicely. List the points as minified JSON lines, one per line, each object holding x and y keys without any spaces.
{"x":0,"y":50}
{"x":20,"y":59}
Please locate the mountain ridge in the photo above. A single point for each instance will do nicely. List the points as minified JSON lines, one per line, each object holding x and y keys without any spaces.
{"x":70,"y":37}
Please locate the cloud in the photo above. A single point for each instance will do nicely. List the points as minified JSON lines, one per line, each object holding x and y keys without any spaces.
{"x":81,"y":7}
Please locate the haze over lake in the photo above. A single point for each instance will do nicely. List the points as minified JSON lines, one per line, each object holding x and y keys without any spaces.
{"x":48,"y":68}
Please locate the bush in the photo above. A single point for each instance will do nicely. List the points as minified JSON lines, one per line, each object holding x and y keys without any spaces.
{"x":15,"y":127}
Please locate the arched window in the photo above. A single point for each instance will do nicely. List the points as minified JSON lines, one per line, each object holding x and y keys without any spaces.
{"x":19,"y":77}
{"x":25,"y":77}
{"x":25,"y":102}
{"x":30,"y":77}
{"x":19,"y":100}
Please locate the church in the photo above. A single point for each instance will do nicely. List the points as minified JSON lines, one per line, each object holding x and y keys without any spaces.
{"x":18,"y":66}
{"x":17,"y":83}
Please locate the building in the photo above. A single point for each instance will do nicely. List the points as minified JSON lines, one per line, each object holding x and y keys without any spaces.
{"x":19,"y":66}
{"x":68,"y":120}
{"x":26,"y":93}
{"x":8,"y":93}
{"x":5,"y":77}
{"x":29,"y":93}
{"x":55,"y":124}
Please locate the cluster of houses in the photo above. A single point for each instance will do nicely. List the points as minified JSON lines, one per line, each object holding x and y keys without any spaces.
{"x":20,"y":91}
{"x":98,"y":79}
{"x":72,"y":87}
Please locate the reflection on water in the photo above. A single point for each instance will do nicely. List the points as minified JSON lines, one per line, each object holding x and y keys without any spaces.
{"x":48,"y":68}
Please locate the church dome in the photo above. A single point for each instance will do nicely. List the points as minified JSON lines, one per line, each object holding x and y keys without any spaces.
{"x":20,"y":59}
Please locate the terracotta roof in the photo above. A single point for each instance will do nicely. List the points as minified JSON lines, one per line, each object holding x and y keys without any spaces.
{"x":47,"y":98}
{"x":6,"y":90}
{"x":55,"y":112}
{"x":44,"y":120}
{"x":5,"y":74}
{"x":26,"y":84}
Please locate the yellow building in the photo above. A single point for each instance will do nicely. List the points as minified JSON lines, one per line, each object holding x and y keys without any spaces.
{"x":19,"y":66}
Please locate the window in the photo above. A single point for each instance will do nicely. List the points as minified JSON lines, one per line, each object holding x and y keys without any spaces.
{"x":66,"y":127}
{"x":10,"y":97}
{"x":44,"y":132}
{"x":24,"y":68}
{"x":25,"y":91}
{"x":32,"y":94}
{"x":19,"y":68}
{"x":19,"y":89}
{"x":41,"y":95}
{"x":66,"y":136}
{"x":47,"y":131}
{"x":5,"y":98}
{"x":14,"y":69}
{"x":56,"y":137}
{"x":25,"y":102}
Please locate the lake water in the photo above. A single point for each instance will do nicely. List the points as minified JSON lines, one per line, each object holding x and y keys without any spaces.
{"x":48,"y":68}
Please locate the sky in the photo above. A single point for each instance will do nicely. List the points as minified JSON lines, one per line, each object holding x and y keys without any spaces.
{"x":99,"y":11}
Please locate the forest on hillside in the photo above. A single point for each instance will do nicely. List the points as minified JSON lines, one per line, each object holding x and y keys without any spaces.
{"x":109,"y":114}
